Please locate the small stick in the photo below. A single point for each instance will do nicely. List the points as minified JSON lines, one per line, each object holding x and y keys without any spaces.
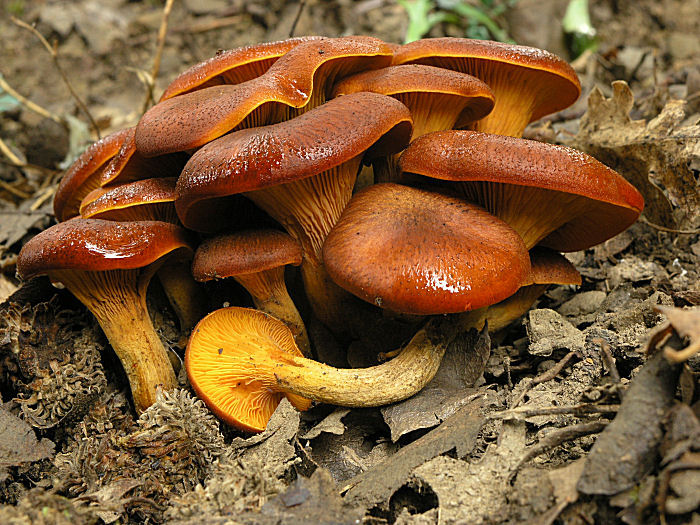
{"x":14,"y":191}
{"x":547,"y":375}
{"x":665,"y":229}
{"x":162,"y":31}
{"x":31,"y":106}
{"x":14,"y":159}
{"x":607,"y":358}
{"x":302,"y":4}
{"x":519,"y":413}
{"x":53,"y":51}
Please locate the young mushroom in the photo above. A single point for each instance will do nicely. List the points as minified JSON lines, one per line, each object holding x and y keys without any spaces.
{"x":528,"y":83}
{"x":107,"y":265}
{"x":551,"y":195}
{"x":256,"y":259}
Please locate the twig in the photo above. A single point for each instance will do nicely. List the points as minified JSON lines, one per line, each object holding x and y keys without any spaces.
{"x":14,"y":191}
{"x":523,"y":412}
{"x":559,"y":436}
{"x":665,"y":229}
{"x":608,"y":359}
{"x":31,"y":106}
{"x":548,"y":375}
{"x":53,"y":51}
{"x":14,"y":159}
{"x":41,"y":199}
{"x":302,"y":4}
{"x":162,"y":31}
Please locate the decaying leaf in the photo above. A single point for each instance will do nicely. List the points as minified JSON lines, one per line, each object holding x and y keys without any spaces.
{"x":451,"y":388}
{"x":686,"y":323}
{"x":331,"y":424}
{"x":18,"y":443}
{"x":656,"y":156}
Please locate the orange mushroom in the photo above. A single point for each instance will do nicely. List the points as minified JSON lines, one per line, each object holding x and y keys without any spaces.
{"x":528,"y":83}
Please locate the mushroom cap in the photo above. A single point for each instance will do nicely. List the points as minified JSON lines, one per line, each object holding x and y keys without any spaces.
{"x":411,"y":81}
{"x":216,"y":359}
{"x":419,"y":252}
{"x":307,"y":145}
{"x":301,"y":78}
{"x":244,"y":252}
{"x":232,"y":66}
{"x":99,"y":245}
{"x":528,"y":83}
{"x":84,"y":174}
{"x":606,"y":203}
{"x":550,"y":267}
{"x":103,"y":202}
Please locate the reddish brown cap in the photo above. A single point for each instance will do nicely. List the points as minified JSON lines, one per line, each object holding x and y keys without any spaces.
{"x":418,"y":252}
{"x":99,"y":245}
{"x":437,"y":97}
{"x":222,"y":368}
{"x":552,"y":195}
{"x":528,"y":82}
{"x":312,"y":143}
{"x":301,"y":79}
{"x":244,"y":252}
{"x":550,"y":267}
{"x":148,"y":199}
{"x":232,"y":66}
{"x":84,"y":174}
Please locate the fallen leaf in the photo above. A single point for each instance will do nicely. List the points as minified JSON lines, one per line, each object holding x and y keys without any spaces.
{"x":686,"y":323}
{"x":18,"y":444}
{"x":654,"y":156}
{"x":451,"y":388}
{"x":331,"y":424}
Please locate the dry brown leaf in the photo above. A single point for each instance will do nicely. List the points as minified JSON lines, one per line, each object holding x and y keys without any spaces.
{"x":686,"y":323}
{"x":655,"y":156}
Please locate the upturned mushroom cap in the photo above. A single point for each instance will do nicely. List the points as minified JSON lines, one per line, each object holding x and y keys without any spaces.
{"x":84,"y":174}
{"x":243,"y":253}
{"x":552,"y":195}
{"x":148,"y":199}
{"x":417,"y":252}
{"x":217,"y":360}
{"x":232,"y":66}
{"x":528,"y":83}
{"x":313,"y":143}
{"x":299,"y":81}
{"x":550,"y":267}
{"x":436,"y":97}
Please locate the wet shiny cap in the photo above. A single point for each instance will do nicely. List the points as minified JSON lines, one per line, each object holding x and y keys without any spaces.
{"x":99,"y":245}
{"x":321,"y":139}
{"x":418,"y":252}
{"x":224,"y":372}
{"x":244,"y":252}
{"x":138,"y":193}
{"x":232,"y":66}
{"x":84,"y":174}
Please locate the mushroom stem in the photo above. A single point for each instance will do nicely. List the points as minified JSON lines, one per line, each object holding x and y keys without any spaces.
{"x":125,"y":321}
{"x":183,"y":293}
{"x":269,"y":293}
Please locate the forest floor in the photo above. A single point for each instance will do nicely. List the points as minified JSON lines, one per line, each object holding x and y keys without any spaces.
{"x":573,"y":415}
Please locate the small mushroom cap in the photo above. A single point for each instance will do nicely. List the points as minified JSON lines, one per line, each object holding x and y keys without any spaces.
{"x":560,"y":85}
{"x":232,"y":66}
{"x":413,"y":80}
{"x":84,"y":174}
{"x":608,"y":204}
{"x":102,"y":201}
{"x":220,"y":347}
{"x":300,"y":79}
{"x":550,"y":267}
{"x":99,"y":245}
{"x":418,"y":252}
{"x":244,"y":252}
{"x":307,"y":145}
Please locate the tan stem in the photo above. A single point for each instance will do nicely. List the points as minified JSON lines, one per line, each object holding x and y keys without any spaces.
{"x":393,"y":381}
{"x":184,"y":294}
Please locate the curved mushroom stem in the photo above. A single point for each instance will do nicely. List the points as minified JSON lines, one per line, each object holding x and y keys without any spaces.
{"x":122,"y":313}
{"x":183,"y":293}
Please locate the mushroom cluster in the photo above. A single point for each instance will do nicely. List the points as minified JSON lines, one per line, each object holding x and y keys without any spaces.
{"x":459,"y":215}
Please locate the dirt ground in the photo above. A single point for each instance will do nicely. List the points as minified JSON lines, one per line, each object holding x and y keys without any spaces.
{"x":576,"y":414}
